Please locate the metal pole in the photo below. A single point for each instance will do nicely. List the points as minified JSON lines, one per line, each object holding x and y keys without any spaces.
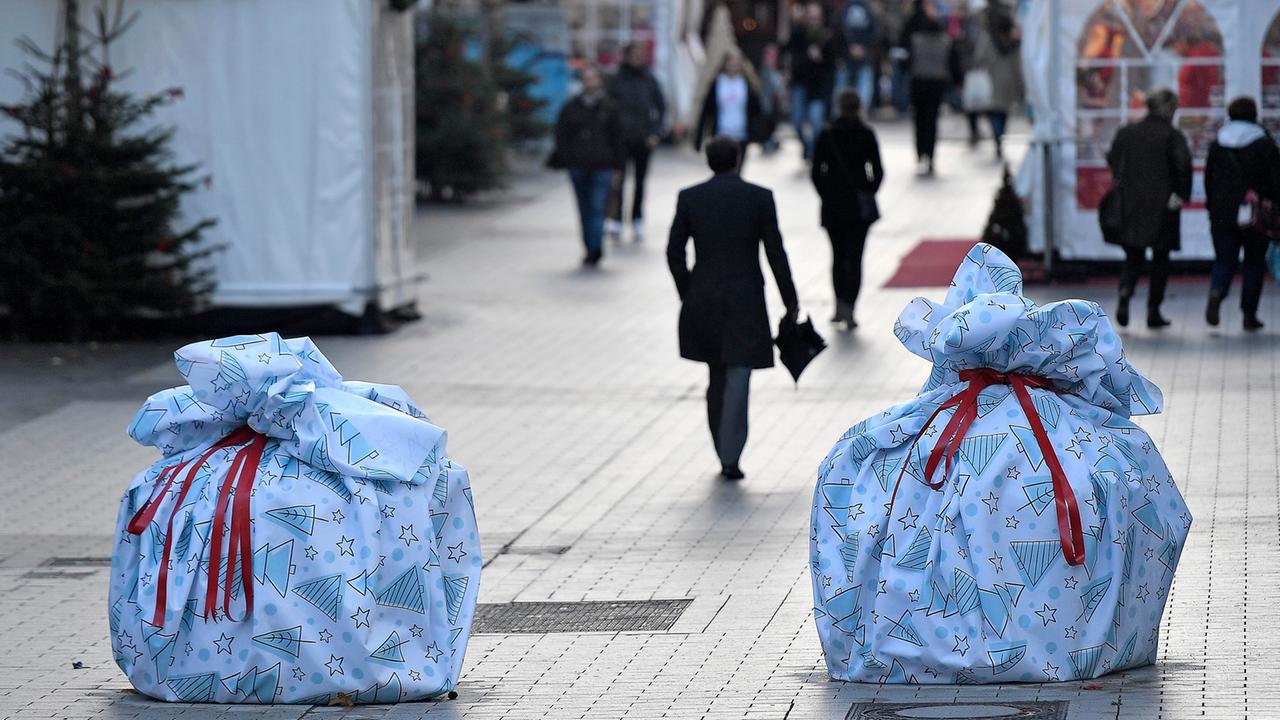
{"x":1050,"y":139}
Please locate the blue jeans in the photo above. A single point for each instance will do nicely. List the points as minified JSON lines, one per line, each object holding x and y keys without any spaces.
{"x":807,"y":116}
{"x":861,"y":75}
{"x":901,"y":87}
{"x":592,"y":190}
{"x":998,"y":121}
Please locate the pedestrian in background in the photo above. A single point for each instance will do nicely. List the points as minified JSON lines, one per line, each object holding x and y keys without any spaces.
{"x":857,"y":36}
{"x":1242,"y":158}
{"x":934,"y":65}
{"x":997,"y":52}
{"x":847,"y":173}
{"x":811,"y":55}
{"x":723,"y":318}
{"x":1151,"y":165}
{"x":732,"y":108}
{"x":773,"y":91}
{"x":589,"y":145}
{"x":643,"y":108}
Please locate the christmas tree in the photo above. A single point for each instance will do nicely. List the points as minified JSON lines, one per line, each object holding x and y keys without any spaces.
{"x":1006,"y":227}
{"x":460,"y":130}
{"x":89,"y":203}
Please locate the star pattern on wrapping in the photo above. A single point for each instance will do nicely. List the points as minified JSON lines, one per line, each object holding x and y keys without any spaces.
{"x":1070,"y":633}
{"x":992,"y":502}
{"x":1070,"y":583}
{"x":1075,"y":449}
{"x":961,"y":646}
{"x":1050,"y":671}
{"x":388,"y":511}
{"x":1011,"y":522}
{"x":998,"y":561}
{"x":224,"y":639}
{"x":908,"y":519}
{"x":345,"y":546}
{"x":914,"y":595}
{"x":337,"y":515}
{"x":361,"y":616}
{"x":311,"y":552}
{"x":1047,"y":614}
{"x":1013,"y":473}
{"x":335,"y":665}
{"x":415,"y":630}
{"x":325,"y":635}
{"x":299,"y":673}
{"x":407,"y":535}
{"x":434,"y":652}
{"x":414,"y":675}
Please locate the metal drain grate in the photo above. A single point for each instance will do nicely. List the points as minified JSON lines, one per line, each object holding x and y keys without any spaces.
{"x":578,"y":617}
{"x":67,"y":568}
{"x":1037,"y":710}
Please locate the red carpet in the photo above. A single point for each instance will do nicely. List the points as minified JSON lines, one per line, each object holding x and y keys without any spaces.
{"x":931,"y":263}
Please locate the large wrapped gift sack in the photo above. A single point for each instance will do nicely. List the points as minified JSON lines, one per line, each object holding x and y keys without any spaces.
{"x":301,"y":537}
{"x":1010,"y":523}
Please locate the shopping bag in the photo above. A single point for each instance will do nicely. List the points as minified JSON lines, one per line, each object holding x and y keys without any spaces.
{"x":978,"y":92}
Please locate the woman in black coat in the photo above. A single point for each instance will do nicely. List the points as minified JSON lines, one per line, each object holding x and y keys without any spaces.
{"x":847,"y":173}
{"x":1151,"y":163}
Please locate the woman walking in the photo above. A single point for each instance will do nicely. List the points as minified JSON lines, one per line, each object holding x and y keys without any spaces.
{"x":997,"y":52}
{"x":731,"y":108}
{"x":847,"y":173}
{"x":589,"y":145}
{"x":934,"y":64}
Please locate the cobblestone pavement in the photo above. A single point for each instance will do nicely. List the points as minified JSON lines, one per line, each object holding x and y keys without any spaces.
{"x":594,"y":479}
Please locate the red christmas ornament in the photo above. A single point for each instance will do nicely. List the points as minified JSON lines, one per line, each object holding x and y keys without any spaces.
{"x":106,"y":73}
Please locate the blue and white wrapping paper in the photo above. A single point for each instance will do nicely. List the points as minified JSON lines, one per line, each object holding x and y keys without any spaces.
{"x":969,"y":584}
{"x":366,"y":556}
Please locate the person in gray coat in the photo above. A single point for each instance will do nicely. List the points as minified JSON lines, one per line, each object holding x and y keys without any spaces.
{"x":1151,"y":164}
{"x":997,"y":50}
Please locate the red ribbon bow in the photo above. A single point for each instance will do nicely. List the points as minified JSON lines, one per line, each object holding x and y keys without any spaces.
{"x":966,"y":412}
{"x":244,"y":467}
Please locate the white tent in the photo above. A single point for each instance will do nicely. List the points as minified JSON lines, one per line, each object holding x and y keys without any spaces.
{"x":1087,"y":63}
{"x":301,"y":112}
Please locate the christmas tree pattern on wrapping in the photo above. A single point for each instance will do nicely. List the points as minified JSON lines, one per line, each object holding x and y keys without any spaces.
{"x":969,"y":583}
{"x":364,"y":560}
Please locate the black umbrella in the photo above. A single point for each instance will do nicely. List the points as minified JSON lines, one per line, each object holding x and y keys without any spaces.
{"x":798,"y":344}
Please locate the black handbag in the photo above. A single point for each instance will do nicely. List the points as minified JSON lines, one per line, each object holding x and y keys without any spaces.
{"x":1111,"y":210}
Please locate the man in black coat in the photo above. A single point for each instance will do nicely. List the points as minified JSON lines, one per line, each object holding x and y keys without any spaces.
{"x":723,"y":318}
{"x":1242,"y":157}
{"x":1151,"y":163}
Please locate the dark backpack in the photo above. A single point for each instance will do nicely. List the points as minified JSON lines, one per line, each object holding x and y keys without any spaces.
{"x":931,"y":56}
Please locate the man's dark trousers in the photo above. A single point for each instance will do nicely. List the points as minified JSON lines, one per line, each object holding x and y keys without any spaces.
{"x":727,"y":410}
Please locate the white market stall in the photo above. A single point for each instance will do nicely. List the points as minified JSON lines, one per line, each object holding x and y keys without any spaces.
{"x":301,"y":113}
{"x":1087,"y":63}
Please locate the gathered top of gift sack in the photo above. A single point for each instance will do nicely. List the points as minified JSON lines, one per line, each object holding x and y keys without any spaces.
{"x":986,"y":322}
{"x":1010,"y":523}
{"x":286,"y":389}
{"x":304,"y":539}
